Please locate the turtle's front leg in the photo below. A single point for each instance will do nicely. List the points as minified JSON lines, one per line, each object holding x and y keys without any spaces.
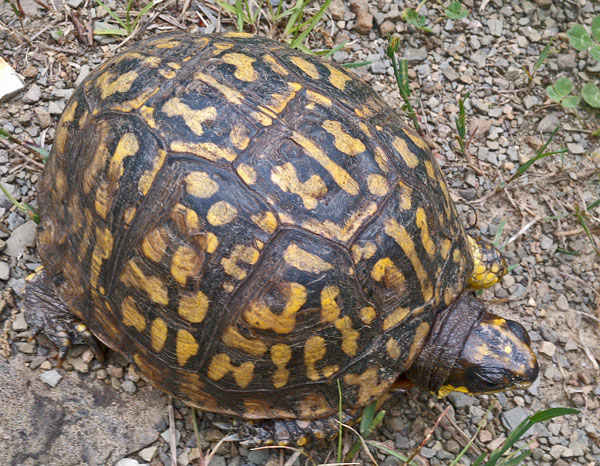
{"x":46,"y":313}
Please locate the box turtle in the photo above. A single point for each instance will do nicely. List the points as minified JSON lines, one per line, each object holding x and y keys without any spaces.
{"x":251,"y":226}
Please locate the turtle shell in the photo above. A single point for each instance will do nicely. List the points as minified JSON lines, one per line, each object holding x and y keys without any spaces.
{"x":249,"y":225}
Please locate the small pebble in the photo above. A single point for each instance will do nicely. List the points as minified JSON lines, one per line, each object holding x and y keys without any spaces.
{"x":51,"y":377}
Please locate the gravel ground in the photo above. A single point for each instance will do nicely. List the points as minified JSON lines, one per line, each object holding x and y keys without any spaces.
{"x":554,"y":294}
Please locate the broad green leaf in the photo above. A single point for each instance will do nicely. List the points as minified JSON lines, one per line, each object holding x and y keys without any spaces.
{"x":550,"y":413}
{"x":596,"y":28}
{"x":591,"y":94}
{"x":595,"y":52}
{"x":560,"y":89}
{"x":571,"y":102}
{"x":412,"y":17}
{"x":456,"y":10}
{"x":579,"y":38}
{"x":367,"y":416}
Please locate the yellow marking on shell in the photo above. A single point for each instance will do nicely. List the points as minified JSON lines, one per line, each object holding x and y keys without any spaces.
{"x":102,"y":251}
{"x":187,"y":220}
{"x":239,"y":137}
{"x":339,"y":175}
{"x":280,"y":356}
{"x":221,"y":47}
{"x":148,"y":176}
{"x":368,"y":314}
{"x":310,"y":191}
{"x":238,"y":34}
{"x":200,"y":184}
{"x":343,"y":233}
{"x":314,"y":351}
{"x":101,"y":156}
{"x":330,"y":310}
{"x":365,"y":251}
{"x":131,"y":315}
{"x":246,"y":173}
{"x":388,"y":271}
{"x":377,"y":184}
{"x":175,"y":66}
{"x":403,"y":239}
{"x":207,"y":150}
{"x":220,"y":365}
{"x":450,"y":295}
{"x":232,"y":95}
{"x":221,"y":213}
{"x":186,"y":346}
{"x":193,"y":118}
{"x":368,"y":386}
{"x":60,"y":184}
{"x":365,"y":129}
{"x":266,"y":221}
{"x":244,"y":71}
{"x":152,"y":62}
{"x":307,"y":67}
{"x":185,"y":263}
{"x":343,"y":141}
{"x":445,"y":248}
{"x":147,"y":113}
{"x":430,"y":170}
{"x":171,"y":44}
{"x":154,"y":244}
{"x":69,"y":113}
{"x":337,"y":77}
{"x":349,"y":335}
{"x":416,"y":139}
{"x":212,"y":242}
{"x":134,"y":277}
{"x":318,"y":98}
{"x":405,"y":196}
{"x":167,"y":74}
{"x":279,"y":102}
{"x":275,"y":65}
{"x":409,"y":157}
{"x":428,"y":244}
{"x":126,"y":147}
{"x":235,"y":339}
{"x":240,"y":253}
{"x":134,"y":104}
{"x":304,"y":260}
{"x":110,"y":84}
{"x":397,"y":316}
{"x":228,"y":286}
{"x":158,"y":334}
{"x":392,"y":348}
{"x":258,"y":314}
{"x":193,"y":307}
{"x":417,"y":342}
{"x":262,"y":117}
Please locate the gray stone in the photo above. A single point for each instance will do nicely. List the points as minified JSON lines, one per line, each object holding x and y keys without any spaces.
{"x":513,"y":417}
{"x":575,"y":148}
{"x":460,"y":400}
{"x":562,"y":303}
{"x":412,"y":54}
{"x":548,"y":123}
{"x":79,"y":420}
{"x":19,"y":324}
{"x":129,"y":387}
{"x":51,"y":377}
{"x":548,"y":348}
{"x":4,"y":271}
{"x":338,"y":9}
{"x":259,"y":456}
{"x":495,"y":26}
{"x":148,"y":453}
{"x":428,"y":452}
{"x":530,"y":100}
{"x":166,"y":435}
{"x":127,"y":462}
{"x":22,"y":237}
{"x":33,"y":95}
{"x":387,"y":27}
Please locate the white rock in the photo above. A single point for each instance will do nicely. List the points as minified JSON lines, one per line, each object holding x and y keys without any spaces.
{"x":10,"y":79}
{"x":51,"y":377}
{"x":127,"y":462}
{"x":147,"y":453}
{"x":21,"y":237}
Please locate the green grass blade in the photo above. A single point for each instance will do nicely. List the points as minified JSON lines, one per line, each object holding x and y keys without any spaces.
{"x":340,"y":445}
{"x":479,"y":459}
{"x":471,"y":440}
{"x":391,"y":452}
{"x":314,"y":21}
{"x":357,"y":64}
{"x":22,"y":206}
{"x":524,"y":426}
{"x":499,"y":233}
{"x":586,"y":228}
{"x":142,"y":12}
{"x":330,"y":52}
{"x":545,"y":53}
{"x":517,"y":459}
{"x":367,"y":416}
{"x":227,"y":6}
{"x":110,"y":32}
{"x":239,"y":7}
{"x":112,"y":14}
{"x":294,"y":18}
{"x":594,"y":204}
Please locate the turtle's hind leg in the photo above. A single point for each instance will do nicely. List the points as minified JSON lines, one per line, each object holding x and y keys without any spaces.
{"x":46,"y":313}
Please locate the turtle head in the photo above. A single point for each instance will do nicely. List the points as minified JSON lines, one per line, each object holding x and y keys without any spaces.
{"x":475,"y":352}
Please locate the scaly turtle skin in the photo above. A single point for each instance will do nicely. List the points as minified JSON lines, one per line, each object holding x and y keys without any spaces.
{"x":250,"y":225}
